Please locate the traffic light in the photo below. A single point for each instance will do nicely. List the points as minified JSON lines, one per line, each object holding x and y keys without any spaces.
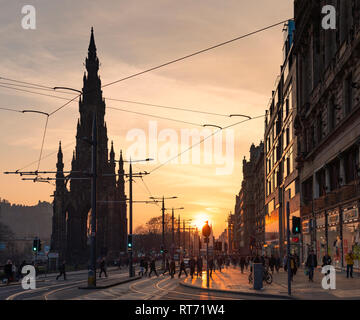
{"x":161,"y":249}
{"x":36,"y":245}
{"x":130,"y":242}
{"x":296,"y":225}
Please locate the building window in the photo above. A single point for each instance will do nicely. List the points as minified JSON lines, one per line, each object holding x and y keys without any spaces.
{"x":334,"y":169}
{"x":320,"y":177}
{"x":287,"y":136}
{"x":350,"y":165}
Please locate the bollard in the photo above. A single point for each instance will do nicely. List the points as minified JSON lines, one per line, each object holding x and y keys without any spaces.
{"x":258,"y":276}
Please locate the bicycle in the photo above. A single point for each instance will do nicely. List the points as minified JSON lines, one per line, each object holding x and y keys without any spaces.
{"x":267,"y":277}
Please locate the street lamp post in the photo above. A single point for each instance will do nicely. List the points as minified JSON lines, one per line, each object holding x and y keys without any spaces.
{"x":92,"y":269}
{"x":131,"y":271}
{"x":173,"y":230}
{"x":206,"y":231}
{"x":163,"y":226}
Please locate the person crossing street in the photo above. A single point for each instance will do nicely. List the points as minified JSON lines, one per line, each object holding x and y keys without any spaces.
{"x":102,"y":268}
{"x":62,"y":271}
{"x":172,"y":268}
{"x":182,"y":268}
{"x":152,"y":268}
{"x":192,"y":267}
{"x":311,"y":264}
{"x":167,"y":266}
{"x":199,"y":266}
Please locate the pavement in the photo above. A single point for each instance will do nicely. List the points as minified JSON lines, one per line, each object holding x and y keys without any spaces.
{"x":231,"y":280}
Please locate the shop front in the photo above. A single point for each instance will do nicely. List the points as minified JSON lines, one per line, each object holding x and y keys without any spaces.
{"x":351,"y":233}
{"x":306,"y":239}
{"x":334,"y":237}
{"x":320,"y":236}
{"x":271,"y":245}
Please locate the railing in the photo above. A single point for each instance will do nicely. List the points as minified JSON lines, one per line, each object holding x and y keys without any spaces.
{"x":345,"y":193}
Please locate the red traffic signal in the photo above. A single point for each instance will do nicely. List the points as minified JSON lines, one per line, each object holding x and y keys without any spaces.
{"x":295,"y":239}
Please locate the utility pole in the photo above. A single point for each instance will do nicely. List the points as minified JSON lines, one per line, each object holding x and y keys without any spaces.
{"x":131,"y":273}
{"x":131,"y":175}
{"x":163,"y":226}
{"x":173,"y":245}
{"x":179,"y":232}
{"x":184,"y":233}
{"x":189,"y":240}
{"x":172,"y":228}
{"x":288,"y":245}
{"x":163,"y":233}
{"x":92,"y":270}
{"x":206,"y":231}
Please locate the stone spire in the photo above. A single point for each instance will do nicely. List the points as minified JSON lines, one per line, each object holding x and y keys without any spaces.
{"x":60,"y":170}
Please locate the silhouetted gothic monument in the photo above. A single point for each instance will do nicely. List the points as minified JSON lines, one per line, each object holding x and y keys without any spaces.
{"x":72,"y":207}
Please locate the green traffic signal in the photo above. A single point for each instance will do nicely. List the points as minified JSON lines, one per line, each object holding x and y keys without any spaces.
{"x":129,"y":245}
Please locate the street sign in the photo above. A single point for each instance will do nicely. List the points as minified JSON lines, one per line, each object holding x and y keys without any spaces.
{"x":46,"y":249}
{"x":53,"y":255}
{"x":2,"y":245}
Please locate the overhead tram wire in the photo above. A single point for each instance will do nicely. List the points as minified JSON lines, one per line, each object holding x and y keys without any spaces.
{"x":155,"y":116}
{"x":13,"y":110}
{"x":195,"y":53}
{"x":3,"y":85}
{"x":48,"y":155}
{"x":42,"y":143}
{"x":170,"y":62}
{"x":202,"y":140}
{"x":116,"y":108}
{"x":148,"y":190}
{"x":23,"y":82}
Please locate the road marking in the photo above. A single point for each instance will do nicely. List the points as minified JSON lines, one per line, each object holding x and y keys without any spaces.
{"x":49,"y":287}
{"x":69,"y":287}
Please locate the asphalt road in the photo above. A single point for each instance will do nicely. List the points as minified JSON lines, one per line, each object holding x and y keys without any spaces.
{"x":154,"y":288}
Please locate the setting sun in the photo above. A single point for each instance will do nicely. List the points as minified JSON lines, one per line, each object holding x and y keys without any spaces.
{"x":200,"y":220}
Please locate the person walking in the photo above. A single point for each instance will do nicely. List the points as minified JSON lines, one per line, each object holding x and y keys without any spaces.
{"x":199,"y":266}
{"x":141,"y":272}
{"x":102,"y":268}
{"x":349,"y":258}
{"x":14,"y":272}
{"x":172,"y":268}
{"x":192,"y":267}
{"x":326,"y":261}
{"x":152,"y":268}
{"x":62,"y":271}
{"x":182,"y":268}
{"x":167,"y":266}
{"x":242,"y":263}
{"x":293,"y":266}
{"x":146,"y":266}
{"x":211,"y":266}
{"x":247,"y":262}
{"x":311,"y":264}
{"x":277,"y":264}
{"x":8,"y":271}
{"x":219,"y":262}
{"x":272,"y":263}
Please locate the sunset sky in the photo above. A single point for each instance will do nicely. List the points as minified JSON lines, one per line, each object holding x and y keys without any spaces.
{"x":132,"y":36}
